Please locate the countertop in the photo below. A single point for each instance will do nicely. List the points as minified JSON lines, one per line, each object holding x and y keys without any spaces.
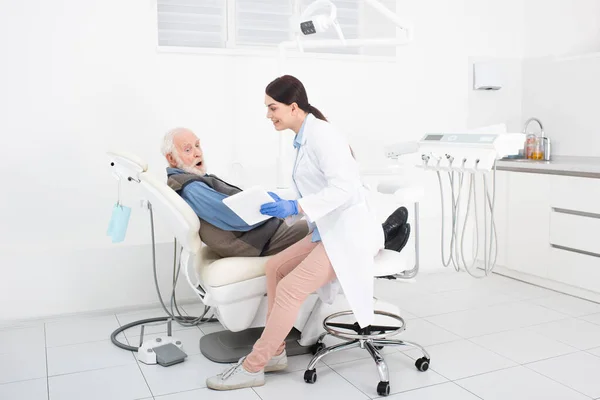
{"x":558,"y":165}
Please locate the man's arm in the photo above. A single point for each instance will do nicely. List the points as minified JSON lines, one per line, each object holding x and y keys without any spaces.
{"x":208,"y":204}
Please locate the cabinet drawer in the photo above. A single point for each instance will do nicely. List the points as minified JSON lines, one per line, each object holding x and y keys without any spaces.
{"x":575,"y":269}
{"x":575,"y":230}
{"x":575,"y":193}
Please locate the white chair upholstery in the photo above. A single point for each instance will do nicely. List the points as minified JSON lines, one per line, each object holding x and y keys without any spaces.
{"x":215,"y":271}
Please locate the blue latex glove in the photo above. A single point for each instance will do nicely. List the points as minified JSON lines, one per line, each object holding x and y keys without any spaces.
{"x":274,"y":196}
{"x":279,"y":208}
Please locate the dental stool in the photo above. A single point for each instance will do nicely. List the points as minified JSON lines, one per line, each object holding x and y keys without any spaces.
{"x":388,"y":265}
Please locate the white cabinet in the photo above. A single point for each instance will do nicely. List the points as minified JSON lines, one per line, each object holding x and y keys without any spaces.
{"x":574,"y":227}
{"x":527,"y":245}
{"x":550,"y":229}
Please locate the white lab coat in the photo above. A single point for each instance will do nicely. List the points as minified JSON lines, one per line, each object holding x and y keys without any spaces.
{"x":334,"y":199}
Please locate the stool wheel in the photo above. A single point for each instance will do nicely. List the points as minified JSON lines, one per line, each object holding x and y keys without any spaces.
{"x":422,"y":364}
{"x":310,"y":376}
{"x":383,"y":388}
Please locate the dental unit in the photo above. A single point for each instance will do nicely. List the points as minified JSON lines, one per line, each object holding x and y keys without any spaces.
{"x":465,"y":159}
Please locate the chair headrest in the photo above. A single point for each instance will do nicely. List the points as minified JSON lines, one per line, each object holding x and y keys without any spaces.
{"x":126,"y":164}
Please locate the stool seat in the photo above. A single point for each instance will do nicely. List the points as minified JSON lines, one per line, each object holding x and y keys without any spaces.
{"x":390,"y":262}
{"x":403,"y":193}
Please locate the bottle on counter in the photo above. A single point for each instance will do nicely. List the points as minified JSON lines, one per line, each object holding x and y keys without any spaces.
{"x":529,"y":145}
{"x":538,"y":149}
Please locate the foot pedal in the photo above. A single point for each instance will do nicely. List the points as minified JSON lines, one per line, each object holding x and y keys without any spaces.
{"x":169,"y":354}
{"x":165,"y":351}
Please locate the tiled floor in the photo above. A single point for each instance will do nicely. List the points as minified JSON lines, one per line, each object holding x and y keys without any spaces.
{"x":490,"y":339}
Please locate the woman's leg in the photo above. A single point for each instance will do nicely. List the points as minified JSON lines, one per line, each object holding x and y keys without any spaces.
{"x":312,"y":273}
{"x":281,"y":265}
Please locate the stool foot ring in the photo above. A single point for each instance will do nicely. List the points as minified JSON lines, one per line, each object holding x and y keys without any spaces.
{"x":366,"y":333}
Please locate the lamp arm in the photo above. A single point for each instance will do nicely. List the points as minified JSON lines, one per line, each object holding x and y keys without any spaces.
{"x":392,"y":16}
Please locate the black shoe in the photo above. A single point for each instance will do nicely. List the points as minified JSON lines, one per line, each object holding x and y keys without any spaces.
{"x":394,"y":222}
{"x":398,"y":241}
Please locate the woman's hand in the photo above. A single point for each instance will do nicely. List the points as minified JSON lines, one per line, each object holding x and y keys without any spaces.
{"x":279,"y":208}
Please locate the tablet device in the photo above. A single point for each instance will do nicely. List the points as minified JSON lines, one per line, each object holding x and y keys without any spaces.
{"x":246,"y":204}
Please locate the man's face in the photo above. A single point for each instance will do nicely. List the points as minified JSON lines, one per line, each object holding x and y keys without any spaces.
{"x":187,"y":153}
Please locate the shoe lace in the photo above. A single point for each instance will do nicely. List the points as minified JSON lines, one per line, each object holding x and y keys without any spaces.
{"x":233,"y":369}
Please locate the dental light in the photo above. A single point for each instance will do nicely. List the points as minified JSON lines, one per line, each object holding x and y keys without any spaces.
{"x":322,"y":22}
{"x":464,"y":158}
{"x":311,"y":23}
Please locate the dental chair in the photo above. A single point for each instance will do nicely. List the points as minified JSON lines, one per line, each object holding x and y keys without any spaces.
{"x":235,"y":288}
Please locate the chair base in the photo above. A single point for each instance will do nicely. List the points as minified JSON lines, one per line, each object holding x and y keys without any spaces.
{"x":372,"y":343}
{"x":229,"y":347}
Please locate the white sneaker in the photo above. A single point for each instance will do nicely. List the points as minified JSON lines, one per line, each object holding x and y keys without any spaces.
{"x":277,"y":363}
{"x":236,"y":377}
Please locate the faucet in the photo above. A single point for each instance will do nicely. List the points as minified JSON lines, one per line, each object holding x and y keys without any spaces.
{"x":545,"y":140}
{"x":530,"y":120}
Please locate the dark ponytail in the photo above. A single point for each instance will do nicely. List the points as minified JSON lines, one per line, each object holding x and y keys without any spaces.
{"x":315,"y":111}
{"x":287,"y":90}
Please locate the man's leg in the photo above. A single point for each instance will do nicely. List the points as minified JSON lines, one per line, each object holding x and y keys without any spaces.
{"x":285,"y":236}
{"x":395,"y":229}
{"x":398,"y":241}
{"x":395,"y":221}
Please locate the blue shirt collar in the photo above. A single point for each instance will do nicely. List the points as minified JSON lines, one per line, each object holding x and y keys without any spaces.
{"x":300,"y":135}
{"x":174,"y":171}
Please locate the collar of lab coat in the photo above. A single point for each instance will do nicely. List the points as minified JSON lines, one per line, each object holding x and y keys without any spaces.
{"x":300,"y":138}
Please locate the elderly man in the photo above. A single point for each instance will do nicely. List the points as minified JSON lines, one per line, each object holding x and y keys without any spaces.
{"x":224,"y":231}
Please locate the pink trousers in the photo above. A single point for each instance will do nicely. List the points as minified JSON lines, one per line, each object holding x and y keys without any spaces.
{"x":292,"y":275}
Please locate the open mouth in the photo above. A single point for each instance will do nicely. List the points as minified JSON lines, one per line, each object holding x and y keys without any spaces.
{"x":199,"y":164}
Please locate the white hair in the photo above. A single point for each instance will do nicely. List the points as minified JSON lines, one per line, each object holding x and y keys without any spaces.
{"x":167,"y":145}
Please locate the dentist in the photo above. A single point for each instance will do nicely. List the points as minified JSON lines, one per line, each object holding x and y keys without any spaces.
{"x":341,"y":248}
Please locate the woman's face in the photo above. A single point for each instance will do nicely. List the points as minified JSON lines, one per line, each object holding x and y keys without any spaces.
{"x":282,"y":115}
